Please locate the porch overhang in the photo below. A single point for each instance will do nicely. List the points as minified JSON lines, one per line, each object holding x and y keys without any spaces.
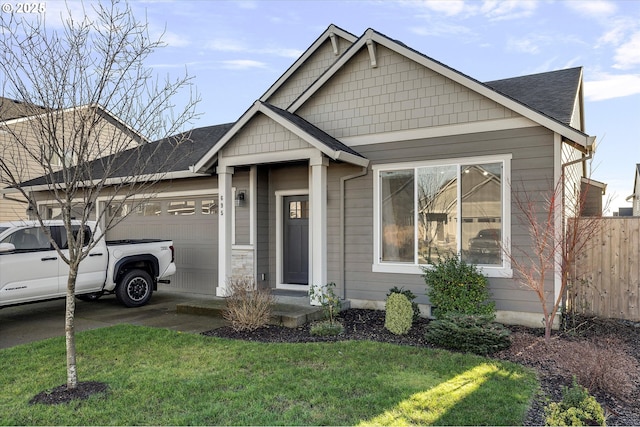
{"x":316,"y":138}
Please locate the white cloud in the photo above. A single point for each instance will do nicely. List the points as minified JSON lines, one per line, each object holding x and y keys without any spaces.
{"x":247,"y":4}
{"x":226,"y":45}
{"x":283,"y":52}
{"x":511,"y":9}
{"x":448,"y":7}
{"x":594,"y":8}
{"x":628,"y":54}
{"x":609,"y":86}
{"x":528,"y":45}
{"x":231,"y":45}
{"x":490,"y":9}
{"x":243,"y":64}
{"x":175,"y":40}
{"x":440,"y":29}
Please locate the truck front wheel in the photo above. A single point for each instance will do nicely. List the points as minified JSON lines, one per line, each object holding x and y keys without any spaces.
{"x":135,"y":288}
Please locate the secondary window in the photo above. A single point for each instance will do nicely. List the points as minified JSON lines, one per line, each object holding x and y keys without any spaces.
{"x":430,"y":210}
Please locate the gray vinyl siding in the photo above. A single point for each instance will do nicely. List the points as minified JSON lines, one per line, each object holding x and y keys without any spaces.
{"x":531,"y":171}
{"x":334,"y":260}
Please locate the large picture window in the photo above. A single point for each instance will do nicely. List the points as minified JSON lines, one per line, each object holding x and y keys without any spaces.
{"x":426,"y":211}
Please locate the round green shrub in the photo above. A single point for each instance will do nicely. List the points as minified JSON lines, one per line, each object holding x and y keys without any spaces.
{"x":399,"y":314}
{"x":410,"y":296}
{"x":454,"y":286}
{"x":577,"y":408}
{"x":469,"y":333}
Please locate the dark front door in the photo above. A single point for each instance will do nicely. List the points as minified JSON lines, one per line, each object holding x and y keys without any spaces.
{"x":296,"y":240}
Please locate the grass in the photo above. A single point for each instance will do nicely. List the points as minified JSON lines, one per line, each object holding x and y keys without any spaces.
{"x":161,"y":377}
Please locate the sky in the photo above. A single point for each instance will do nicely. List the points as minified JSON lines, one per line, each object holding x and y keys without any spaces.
{"x":236,"y":50}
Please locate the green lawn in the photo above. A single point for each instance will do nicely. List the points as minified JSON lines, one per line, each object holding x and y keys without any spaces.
{"x":161,"y":377}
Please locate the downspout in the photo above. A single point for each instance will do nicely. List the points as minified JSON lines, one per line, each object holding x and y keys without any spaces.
{"x":344,"y":179}
{"x":583,"y":160}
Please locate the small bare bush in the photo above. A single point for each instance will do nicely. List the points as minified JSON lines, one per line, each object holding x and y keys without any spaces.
{"x":601,"y":367}
{"x":247,"y":308}
{"x":600,"y":364}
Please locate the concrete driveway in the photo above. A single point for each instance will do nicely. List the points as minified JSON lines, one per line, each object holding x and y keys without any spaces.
{"x":34,"y":322}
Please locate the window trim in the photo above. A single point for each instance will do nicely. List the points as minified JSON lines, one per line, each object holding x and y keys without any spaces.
{"x":380,"y":266}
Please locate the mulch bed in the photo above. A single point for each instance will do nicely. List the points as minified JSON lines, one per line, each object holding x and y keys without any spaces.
{"x":528,"y":349}
{"x":62,"y":394}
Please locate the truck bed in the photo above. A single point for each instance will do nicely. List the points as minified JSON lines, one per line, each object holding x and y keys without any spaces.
{"x":134,"y":241}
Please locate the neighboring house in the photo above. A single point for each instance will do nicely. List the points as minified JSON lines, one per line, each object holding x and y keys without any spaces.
{"x":18,"y":118}
{"x":363,"y":161}
{"x":635,"y":197}
{"x":624,"y":212}
{"x":592,"y":192}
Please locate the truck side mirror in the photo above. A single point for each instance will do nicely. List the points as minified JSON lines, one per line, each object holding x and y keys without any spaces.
{"x":7,"y":247}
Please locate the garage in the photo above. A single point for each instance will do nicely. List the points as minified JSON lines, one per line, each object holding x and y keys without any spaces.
{"x":192,"y":224}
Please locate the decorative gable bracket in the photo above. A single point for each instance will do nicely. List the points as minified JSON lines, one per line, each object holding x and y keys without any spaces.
{"x":372,"y":52}
{"x":334,"y":43}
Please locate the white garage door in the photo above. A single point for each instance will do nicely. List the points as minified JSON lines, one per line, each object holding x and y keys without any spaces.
{"x":192,"y":224}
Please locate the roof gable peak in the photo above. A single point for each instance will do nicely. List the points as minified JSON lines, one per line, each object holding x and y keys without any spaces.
{"x":371,"y":38}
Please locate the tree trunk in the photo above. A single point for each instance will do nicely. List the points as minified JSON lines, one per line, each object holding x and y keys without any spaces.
{"x":69,"y":329}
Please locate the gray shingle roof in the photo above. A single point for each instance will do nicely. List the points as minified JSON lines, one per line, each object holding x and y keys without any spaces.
{"x":552,"y":93}
{"x":312,"y":130}
{"x":162,"y":156}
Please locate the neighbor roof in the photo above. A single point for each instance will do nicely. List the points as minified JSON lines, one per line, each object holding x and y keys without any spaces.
{"x":12,"y":109}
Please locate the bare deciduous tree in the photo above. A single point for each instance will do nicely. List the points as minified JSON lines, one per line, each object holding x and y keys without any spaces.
{"x":558,"y":231}
{"x":86,"y":94}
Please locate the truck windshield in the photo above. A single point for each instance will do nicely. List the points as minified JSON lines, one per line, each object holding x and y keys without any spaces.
{"x":2,"y":229}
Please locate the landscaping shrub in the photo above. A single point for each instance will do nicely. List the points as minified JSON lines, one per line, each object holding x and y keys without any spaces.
{"x":473,"y":333}
{"x":454,"y":286}
{"x":410,"y":296}
{"x":326,"y":328}
{"x":599,"y":368}
{"x":398,"y":314}
{"x":330,"y":302}
{"x":331,"y":306}
{"x":577,"y":408}
{"x":247,"y":308}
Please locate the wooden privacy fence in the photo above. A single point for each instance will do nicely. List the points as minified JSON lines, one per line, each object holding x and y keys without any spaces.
{"x":607,"y":272}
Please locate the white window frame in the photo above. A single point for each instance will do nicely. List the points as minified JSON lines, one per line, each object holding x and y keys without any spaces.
{"x":380,"y":266}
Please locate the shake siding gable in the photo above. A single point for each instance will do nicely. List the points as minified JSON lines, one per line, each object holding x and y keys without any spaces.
{"x":262,"y":135}
{"x":399,"y":94}
{"x":302,"y":78}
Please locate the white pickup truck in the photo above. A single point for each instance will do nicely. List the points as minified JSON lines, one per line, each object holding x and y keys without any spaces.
{"x":31,"y":269}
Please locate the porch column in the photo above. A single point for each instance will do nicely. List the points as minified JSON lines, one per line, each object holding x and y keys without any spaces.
{"x":225,"y":204}
{"x":318,"y":220}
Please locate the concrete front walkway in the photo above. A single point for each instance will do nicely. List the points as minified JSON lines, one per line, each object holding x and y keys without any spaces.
{"x":292,"y":308}
{"x":167,"y":309}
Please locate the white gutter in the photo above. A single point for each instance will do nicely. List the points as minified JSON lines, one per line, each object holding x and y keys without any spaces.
{"x":114,"y":181}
